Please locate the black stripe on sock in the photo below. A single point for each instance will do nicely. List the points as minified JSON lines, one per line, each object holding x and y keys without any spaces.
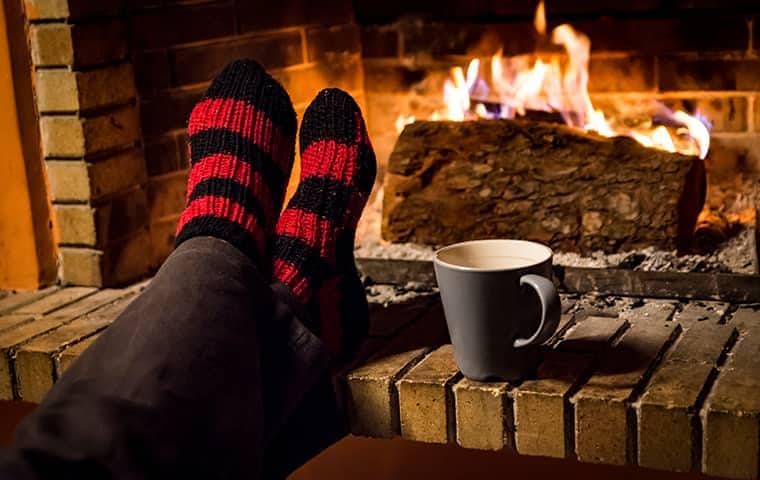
{"x":305,"y":259}
{"x":237,"y":192}
{"x":218,"y":227}
{"x":248,"y":81}
{"x":322,"y":196}
{"x":220,"y":140}
{"x":332,"y":115}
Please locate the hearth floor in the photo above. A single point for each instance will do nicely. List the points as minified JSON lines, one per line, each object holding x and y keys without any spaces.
{"x":662,"y":384}
{"x":658,"y":383}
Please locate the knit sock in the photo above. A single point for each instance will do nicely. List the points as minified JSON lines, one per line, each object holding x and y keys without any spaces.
{"x":314,"y":240}
{"x":242,"y":144}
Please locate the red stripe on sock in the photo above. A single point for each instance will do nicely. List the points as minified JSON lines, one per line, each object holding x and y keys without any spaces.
{"x":315,"y":231}
{"x":230,"y":167}
{"x":220,"y":165}
{"x":328,"y":158}
{"x":292,"y":277}
{"x":236,"y":116}
{"x":228,"y":209}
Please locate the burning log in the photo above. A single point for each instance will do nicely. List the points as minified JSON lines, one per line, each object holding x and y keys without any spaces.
{"x":456,"y":181}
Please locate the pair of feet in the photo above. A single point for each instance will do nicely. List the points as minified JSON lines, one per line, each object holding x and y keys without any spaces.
{"x":242,"y":145}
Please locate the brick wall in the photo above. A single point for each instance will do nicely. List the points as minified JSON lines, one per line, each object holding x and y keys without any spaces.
{"x":178,"y":48}
{"x":90,"y":130}
{"x":115,"y":83}
{"x":695,"y":53}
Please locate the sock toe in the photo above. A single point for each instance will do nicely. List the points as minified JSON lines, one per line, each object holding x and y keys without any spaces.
{"x":247,"y":80}
{"x":332,"y":115}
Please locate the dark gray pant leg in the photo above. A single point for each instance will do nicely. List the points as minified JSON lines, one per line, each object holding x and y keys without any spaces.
{"x":175,"y":387}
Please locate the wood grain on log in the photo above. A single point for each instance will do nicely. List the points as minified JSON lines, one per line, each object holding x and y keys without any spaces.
{"x":454,"y":181}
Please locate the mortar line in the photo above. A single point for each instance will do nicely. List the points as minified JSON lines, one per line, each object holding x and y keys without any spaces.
{"x":750,"y":35}
{"x":697,"y":428}
{"x":451,"y":414}
{"x":560,"y":334}
{"x":92,"y":112}
{"x":632,"y":438}
{"x":70,"y":302}
{"x":250,"y":35}
{"x":728,"y":315}
{"x":12,"y":351}
{"x":47,"y":292}
{"x":395,"y":405}
{"x":568,"y":407}
{"x":508,"y":420}
{"x":751,"y":101}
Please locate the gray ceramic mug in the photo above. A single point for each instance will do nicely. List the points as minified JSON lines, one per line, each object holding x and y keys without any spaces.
{"x":500,"y":304}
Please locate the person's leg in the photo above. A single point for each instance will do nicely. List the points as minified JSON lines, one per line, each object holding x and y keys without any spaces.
{"x":160,"y":391}
{"x":314,"y":242}
{"x":318,"y":422}
{"x":175,"y":386}
{"x":313,"y":258}
{"x":210,"y":367}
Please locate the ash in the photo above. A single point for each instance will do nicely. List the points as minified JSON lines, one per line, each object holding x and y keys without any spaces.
{"x":386,"y":294}
{"x":394,"y":251}
{"x":736,"y":255}
{"x":733,"y":256}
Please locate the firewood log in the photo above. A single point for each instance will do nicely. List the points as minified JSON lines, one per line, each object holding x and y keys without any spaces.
{"x":453,"y":181}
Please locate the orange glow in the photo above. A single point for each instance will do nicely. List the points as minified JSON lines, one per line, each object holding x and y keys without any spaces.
{"x":559,"y":83}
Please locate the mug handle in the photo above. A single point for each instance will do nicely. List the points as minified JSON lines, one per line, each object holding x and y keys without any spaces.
{"x":550,"y":309}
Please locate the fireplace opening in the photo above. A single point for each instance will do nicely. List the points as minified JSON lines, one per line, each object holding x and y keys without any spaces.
{"x":553,"y":152}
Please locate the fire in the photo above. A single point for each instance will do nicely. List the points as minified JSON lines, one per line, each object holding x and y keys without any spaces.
{"x":539,"y":20}
{"x":558,"y":83}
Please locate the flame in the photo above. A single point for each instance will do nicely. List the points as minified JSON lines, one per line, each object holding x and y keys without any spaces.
{"x":539,"y":21}
{"x":403,"y":120}
{"x":558,"y":84}
{"x":697,"y":129}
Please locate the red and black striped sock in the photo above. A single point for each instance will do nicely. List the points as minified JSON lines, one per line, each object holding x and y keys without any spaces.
{"x":242,"y":144}
{"x":314,"y":242}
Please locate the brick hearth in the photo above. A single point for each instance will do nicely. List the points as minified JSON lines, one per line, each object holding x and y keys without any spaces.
{"x":655,"y":383}
{"x":663,"y":384}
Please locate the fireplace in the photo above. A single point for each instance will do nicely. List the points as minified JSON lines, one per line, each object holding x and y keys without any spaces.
{"x":115,"y":81}
{"x":649,"y":76}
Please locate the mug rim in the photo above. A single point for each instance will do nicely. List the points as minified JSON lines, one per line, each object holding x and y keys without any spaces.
{"x":436,"y":256}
